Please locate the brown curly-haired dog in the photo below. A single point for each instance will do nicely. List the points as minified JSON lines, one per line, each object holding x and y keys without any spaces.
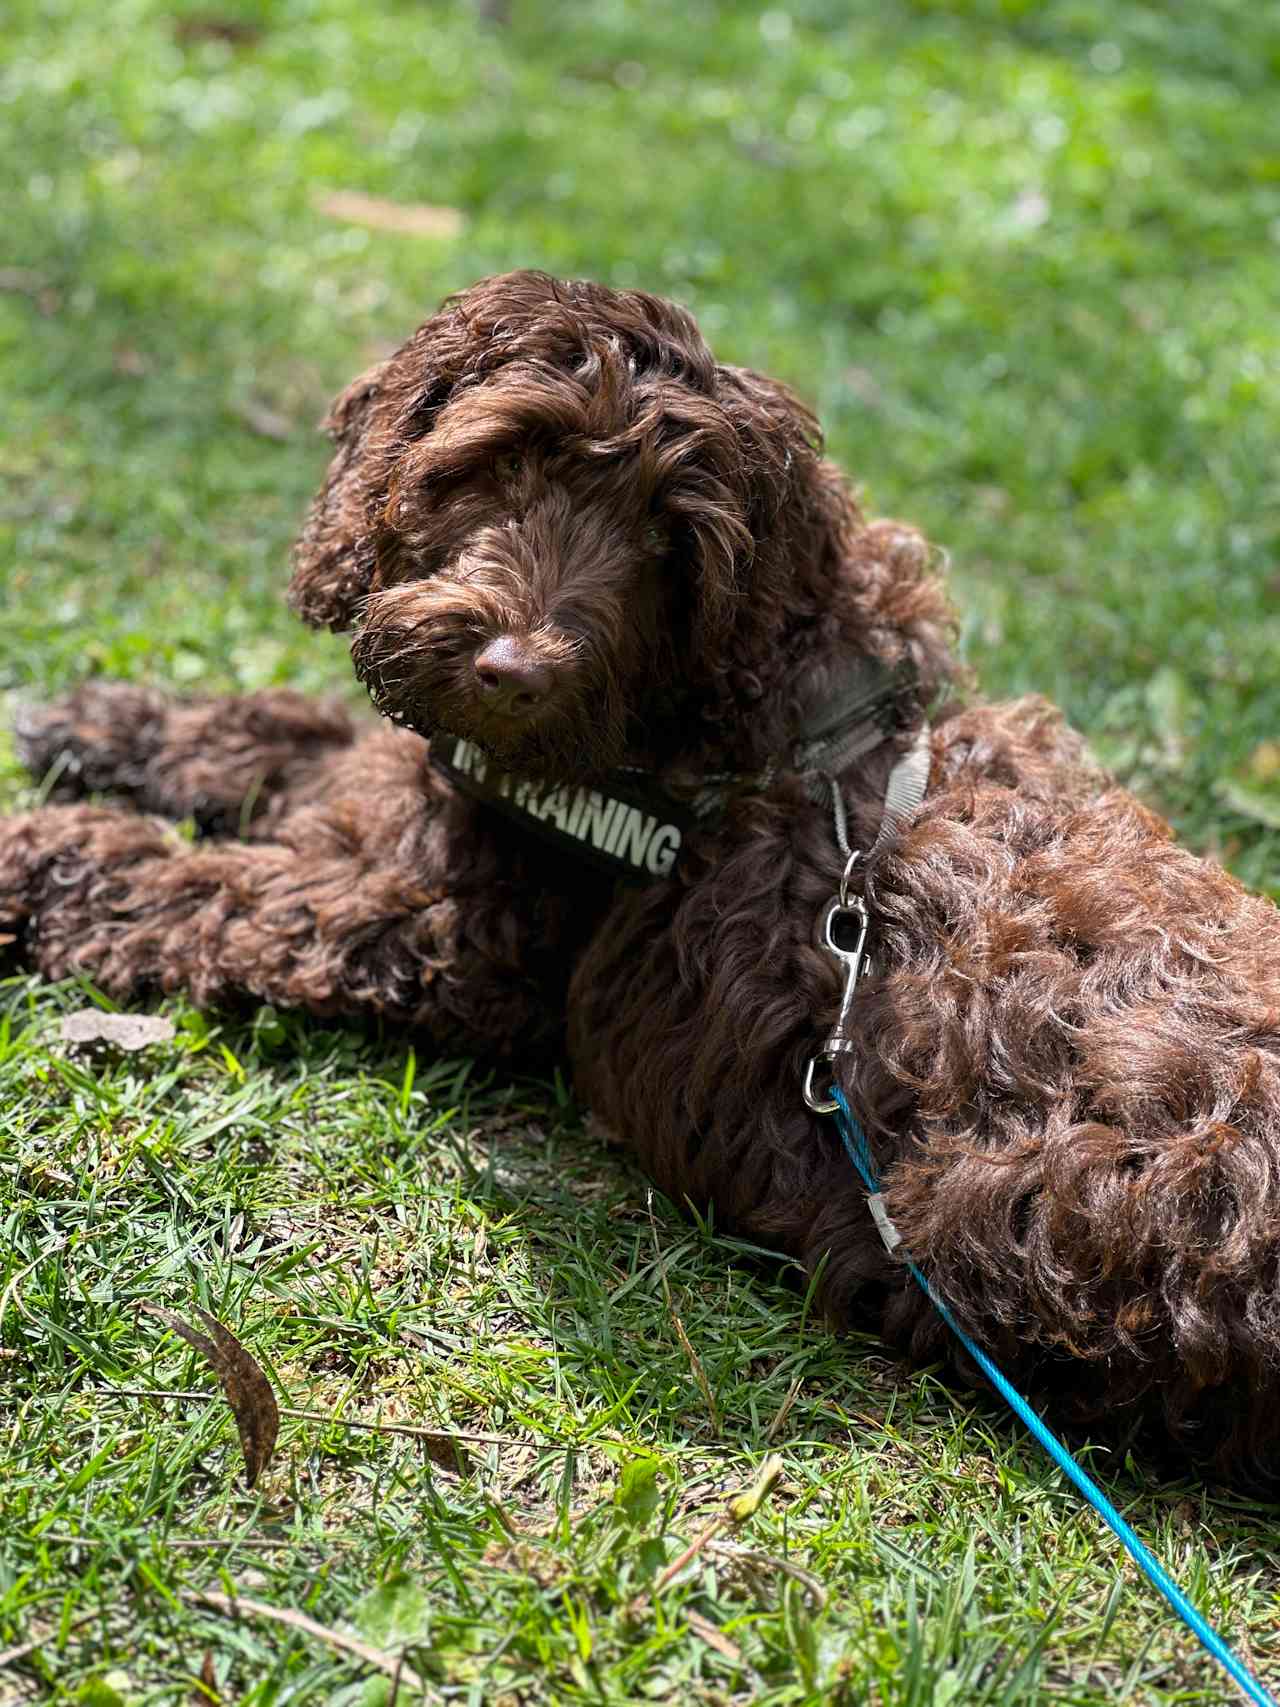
{"x":570,"y":541}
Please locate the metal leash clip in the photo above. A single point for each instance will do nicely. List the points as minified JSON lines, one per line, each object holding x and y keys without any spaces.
{"x":842,"y":932}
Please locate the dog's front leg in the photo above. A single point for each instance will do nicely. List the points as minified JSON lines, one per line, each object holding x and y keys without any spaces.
{"x":352,"y":910}
{"x":218,"y":761}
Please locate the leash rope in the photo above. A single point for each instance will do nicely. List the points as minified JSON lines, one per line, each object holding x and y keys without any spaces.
{"x":844,"y":926}
{"x":859,"y":1151}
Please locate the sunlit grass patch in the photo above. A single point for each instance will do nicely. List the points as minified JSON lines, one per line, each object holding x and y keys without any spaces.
{"x":1023,"y":258}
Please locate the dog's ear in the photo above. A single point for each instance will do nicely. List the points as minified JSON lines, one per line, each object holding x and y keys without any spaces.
{"x":769,"y":467}
{"x":374,"y":421}
{"x":780,"y":445}
{"x":814,"y":554}
{"x":334,"y":556}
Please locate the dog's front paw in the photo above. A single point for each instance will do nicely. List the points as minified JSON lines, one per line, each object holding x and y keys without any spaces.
{"x":96,"y":740}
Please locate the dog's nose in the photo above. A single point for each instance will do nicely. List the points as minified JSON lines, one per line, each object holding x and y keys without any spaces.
{"x":511,"y":675}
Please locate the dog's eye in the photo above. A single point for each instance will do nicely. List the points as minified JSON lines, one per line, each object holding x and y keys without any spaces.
{"x":506,"y":466}
{"x":655,"y":537}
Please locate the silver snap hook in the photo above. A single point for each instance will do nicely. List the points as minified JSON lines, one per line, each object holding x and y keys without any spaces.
{"x":849,"y":864}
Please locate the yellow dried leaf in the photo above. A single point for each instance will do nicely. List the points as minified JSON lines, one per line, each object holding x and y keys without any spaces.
{"x":748,"y":1502}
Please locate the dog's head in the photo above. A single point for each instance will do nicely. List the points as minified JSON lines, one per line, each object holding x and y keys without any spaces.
{"x":546,"y":517}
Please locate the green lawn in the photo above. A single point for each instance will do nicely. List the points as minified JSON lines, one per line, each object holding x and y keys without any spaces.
{"x":1023,"y":255}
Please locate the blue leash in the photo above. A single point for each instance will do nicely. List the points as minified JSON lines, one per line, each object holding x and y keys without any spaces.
{"x":855,"y":1142}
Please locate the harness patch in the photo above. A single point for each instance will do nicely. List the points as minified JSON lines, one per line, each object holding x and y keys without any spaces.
{"x":618,"y":829}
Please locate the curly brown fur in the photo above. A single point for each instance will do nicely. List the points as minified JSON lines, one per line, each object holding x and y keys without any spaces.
{"x":561,"y":530}
{"x":218,"y":761}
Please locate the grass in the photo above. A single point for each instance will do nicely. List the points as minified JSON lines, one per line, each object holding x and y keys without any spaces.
{"x":1022,"y":255}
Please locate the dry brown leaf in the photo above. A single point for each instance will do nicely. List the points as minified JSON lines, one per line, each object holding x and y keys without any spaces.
{"x":410,"y":219}
{"x":209,"y":27}
{"x":130,"y":1032}
{"x":206,"y":1690}
{"x":248,"y":1391}
{"x":445,"y":1453}
{"x":442,"y":1449}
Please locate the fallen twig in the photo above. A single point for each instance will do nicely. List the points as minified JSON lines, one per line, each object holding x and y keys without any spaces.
{"x":695,"y":1362}
{"x":233,"y":1605}
{"x":696,"y":1546}
{"x":11,"y":1656}
{"x":734,"y":1550}
{"x":11,"y":1289}
{"x":412,"y":1430}
{"x":60,"y":1539}
{"x":714,"y":1637}
{"x":784,"y":1410}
